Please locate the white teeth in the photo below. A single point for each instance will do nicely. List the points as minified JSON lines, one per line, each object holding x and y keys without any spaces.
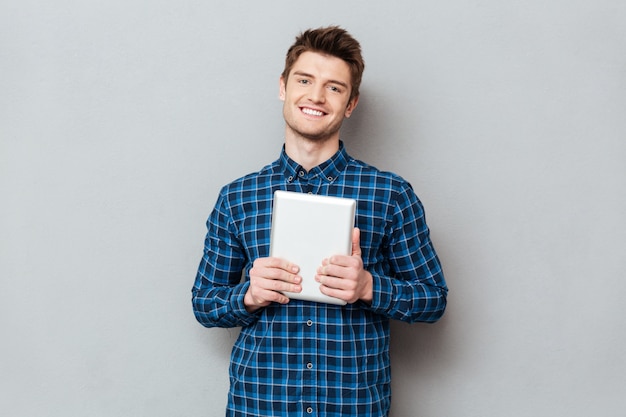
{"x":312,"y":112}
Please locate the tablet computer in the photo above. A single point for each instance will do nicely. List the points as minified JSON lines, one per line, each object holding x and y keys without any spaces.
{"x":308,"y":228}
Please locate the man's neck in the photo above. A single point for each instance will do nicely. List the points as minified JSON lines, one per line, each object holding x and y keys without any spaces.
{"x":310,"y":153}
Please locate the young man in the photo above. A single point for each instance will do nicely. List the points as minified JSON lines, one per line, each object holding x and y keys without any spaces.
{"x":297,"y":357}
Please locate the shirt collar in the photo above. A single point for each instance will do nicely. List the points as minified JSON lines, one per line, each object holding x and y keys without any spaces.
{"x":328,"y":170}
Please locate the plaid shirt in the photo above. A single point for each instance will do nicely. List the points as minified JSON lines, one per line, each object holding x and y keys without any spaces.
{"x":304,"y":358}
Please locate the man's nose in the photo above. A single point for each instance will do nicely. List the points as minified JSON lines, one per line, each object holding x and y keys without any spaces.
{"x":318,"y":94}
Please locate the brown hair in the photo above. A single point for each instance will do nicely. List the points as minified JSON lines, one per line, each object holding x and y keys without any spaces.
{"x":333,"y":41}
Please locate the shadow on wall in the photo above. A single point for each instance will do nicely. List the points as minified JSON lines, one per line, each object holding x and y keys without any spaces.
{"x":363,"y":134}
{"x":384,"y":131}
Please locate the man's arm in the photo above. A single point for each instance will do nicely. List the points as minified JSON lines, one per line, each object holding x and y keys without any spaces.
{"x":218,"y":293}
{"x":415,"y":289}
{"x":219,"y":298}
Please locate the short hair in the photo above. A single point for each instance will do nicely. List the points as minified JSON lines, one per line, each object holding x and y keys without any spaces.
{"x":333,"y":41}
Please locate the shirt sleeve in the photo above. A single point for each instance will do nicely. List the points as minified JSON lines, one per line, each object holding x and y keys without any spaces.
{"x":412,"y":288}
{"x":218,"y":290}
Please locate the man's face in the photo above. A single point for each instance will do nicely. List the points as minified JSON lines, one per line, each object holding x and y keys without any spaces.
{"x":316,"y":97}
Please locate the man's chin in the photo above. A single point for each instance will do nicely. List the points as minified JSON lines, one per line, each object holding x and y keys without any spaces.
{"x":316,"y":137}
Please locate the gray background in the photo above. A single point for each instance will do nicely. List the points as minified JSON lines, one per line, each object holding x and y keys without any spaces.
{"x":120,"y":120}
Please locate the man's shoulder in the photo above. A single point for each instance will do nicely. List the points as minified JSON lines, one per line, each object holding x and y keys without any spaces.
{"x":253,"y":180}
{"x":363,"y":169}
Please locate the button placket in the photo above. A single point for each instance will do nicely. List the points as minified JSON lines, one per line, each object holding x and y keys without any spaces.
{"x":309,"y":360}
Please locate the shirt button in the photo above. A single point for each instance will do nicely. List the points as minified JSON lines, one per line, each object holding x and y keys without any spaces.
{"x":330,"y":178}
{"x":309,"y":365}
{"x":290,"y":178}
{"x":309,"y":323}
{"x":309,"y":410}
{"x":301,"y":173}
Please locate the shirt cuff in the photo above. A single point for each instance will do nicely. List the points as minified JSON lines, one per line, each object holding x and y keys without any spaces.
{"x":382,"y":291}
{"x":238,"y":307}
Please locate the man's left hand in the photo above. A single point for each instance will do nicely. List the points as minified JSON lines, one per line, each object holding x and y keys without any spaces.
{"x":343,"y":276}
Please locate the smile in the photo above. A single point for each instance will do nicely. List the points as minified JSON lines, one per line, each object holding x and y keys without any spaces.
{"x":311,"y":112}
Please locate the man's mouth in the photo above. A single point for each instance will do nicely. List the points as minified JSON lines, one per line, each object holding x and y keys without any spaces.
{"x":311,"y":112}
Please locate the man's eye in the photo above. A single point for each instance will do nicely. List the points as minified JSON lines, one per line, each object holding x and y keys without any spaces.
{"x":304,"y":82}
{"x":335,"y":89}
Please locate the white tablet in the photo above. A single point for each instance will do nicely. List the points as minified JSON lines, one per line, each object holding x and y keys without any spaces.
{"x":308,"y":228}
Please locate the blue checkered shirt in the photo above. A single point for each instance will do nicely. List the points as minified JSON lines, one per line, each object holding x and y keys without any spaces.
{"x":304,"y":358}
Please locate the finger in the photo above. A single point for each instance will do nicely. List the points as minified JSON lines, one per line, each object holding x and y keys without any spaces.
{"x":356,"y":242}
{"x":279,"y":275}
{"x":282,"y":286}
{"x":347,"y":296}
{"x":265,"y":291}
{"x":333,"y":282}
{"x":277,"y":263}
{"x":340,"y":261}
{"x":278,"y":297}
{"x":269,"y":271}
{"x":264,"y":297}
{"x":290,"y":283}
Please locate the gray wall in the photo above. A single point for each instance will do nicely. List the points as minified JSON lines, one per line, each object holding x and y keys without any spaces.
{"x":120,"y":120}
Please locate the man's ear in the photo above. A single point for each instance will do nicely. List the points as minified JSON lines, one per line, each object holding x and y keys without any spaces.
{"x":351,"y":106}
{"x":281,"y":88}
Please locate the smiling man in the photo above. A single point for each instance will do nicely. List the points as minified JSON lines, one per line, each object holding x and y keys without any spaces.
{"x":297,"y":357}
{"x":318,"y":97}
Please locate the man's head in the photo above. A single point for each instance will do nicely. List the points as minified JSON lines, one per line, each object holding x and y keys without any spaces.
{"x":332,"y":41}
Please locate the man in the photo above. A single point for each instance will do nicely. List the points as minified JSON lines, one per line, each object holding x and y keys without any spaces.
{"x":297,"y":357}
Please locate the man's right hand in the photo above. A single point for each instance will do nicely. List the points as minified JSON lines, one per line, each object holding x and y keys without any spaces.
{"x":268,"y":277}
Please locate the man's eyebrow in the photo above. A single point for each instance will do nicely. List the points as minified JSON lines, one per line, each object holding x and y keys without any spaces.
{"x":305,"y":74}
{"x":302,"y":74}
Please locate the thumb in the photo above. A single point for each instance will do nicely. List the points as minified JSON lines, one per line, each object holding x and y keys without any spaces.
{"x":356,"y":242}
